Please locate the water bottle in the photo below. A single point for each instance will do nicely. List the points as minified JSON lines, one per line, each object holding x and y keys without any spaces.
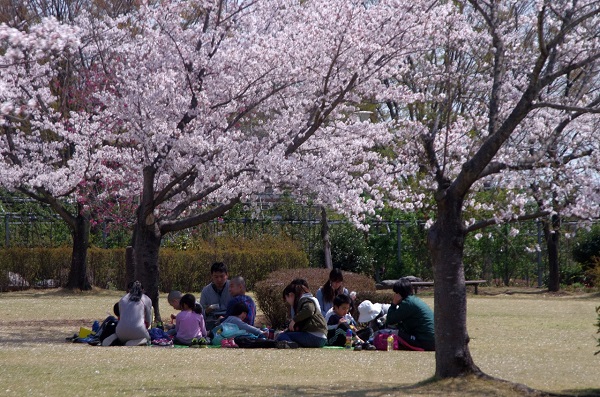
{"x":390,"y":343}
{"x":348,"y":344}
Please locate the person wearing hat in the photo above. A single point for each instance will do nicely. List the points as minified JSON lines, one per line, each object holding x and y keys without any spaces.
{"x":412,"y":316}
{"x":373,"y":315}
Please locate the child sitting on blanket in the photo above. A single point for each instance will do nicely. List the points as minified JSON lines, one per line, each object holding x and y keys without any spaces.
{"x":239,"y":314}
{"x":174,"y":299}
{"x":373,"y":315}
{"x":189,"y":325}
{"x":254,"y":337}
{"x":339,"y":321}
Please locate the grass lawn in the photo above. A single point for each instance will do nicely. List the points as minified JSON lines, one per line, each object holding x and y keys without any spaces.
{"x":545,"y":342}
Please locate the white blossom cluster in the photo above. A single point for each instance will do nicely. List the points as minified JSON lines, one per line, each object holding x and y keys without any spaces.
{"x":193,"y":104}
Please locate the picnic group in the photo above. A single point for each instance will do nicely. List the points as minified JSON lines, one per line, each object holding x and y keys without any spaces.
{"x":225,"y":316}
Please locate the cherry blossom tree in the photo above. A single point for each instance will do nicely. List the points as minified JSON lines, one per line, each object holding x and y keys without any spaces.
{"x":216,"y":101}
{"x":49,"y":154}
{"x":510,"y":101}
{"x":43,"y":152}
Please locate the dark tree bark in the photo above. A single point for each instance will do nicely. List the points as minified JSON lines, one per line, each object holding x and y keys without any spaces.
{"x":552,"y":238}
{"x":146,"y":249}
{"x":129,"y":264}
{"x":79,"y":225}
{"x":446,"y":243}
{"x":326,"y":240}
{"x":78,"y":275}
{"x":146,"y":242}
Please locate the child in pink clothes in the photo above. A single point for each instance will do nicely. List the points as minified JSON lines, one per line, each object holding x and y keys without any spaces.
{"x":188,"y":324}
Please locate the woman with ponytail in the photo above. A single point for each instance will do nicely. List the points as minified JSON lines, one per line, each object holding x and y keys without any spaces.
{"x":135,"y":311}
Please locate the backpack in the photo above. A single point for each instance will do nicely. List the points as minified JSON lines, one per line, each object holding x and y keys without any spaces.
{"x":107,"y":328}
{"x":380,"y":341}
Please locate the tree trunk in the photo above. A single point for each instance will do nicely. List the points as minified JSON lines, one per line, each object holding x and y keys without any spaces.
{"x":326,"y":239}
{"x":552,"y":237}
{"x":78,"y":275}
{"x":146,"y":248}
{"x":446,"y":244}
{"x":129,"y":265}
{"x":146,"y":241}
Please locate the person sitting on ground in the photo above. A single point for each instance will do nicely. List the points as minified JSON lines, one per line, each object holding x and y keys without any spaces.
{"x":254,"y":338}
{"x":135,"y":317}
{"x":412,"y":317}
{"x":332,"y":288}
{"x":215,"y":296}
{"x":239,"y":314}
{"x":373,"y":315}
{"x":173,"y":299}
{"x":189,"y":325}
{"x":301,"y":281}
{"x":308,"y":327}
{"x":339,"y":321}
{"x":127,"y":289}
{"x":237,"y":290}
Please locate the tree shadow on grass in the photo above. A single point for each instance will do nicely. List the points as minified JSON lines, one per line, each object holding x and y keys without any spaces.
{"x":582,"y":392}
{"x":453,"y":387}
{"x":41,"y":331}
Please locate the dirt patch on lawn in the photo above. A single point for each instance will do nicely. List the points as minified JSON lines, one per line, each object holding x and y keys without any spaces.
{"x":22,"y":332}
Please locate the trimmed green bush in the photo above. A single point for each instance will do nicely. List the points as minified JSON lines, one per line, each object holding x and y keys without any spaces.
{"x":106,"y":268}
{"x":268,"y":292}
{"x":184,"y":270}
{"x":35,"y":264}
{"x":252,"y":259}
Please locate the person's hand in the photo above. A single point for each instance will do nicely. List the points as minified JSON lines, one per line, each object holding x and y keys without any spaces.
{"x":342,"y":320}
{"x":397,"y":299}
{"x":291,"y":325}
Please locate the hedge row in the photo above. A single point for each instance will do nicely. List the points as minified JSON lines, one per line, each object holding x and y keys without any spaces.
{"x":185,"y":270}
{"x":253,"y":259}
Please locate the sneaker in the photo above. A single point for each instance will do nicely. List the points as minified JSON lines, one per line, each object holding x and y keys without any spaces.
{"x":72,"y":338}
{"x":368,"y":346}
{"x":358,"y":348}
{"x":284,"y":344}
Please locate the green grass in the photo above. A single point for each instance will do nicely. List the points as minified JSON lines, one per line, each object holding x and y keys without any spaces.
{"x":544,"y":342}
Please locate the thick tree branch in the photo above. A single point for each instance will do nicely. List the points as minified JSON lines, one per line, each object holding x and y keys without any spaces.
{"x":45,"y":197}
{"x":492,"y":221}
{"x":173,"y":226}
